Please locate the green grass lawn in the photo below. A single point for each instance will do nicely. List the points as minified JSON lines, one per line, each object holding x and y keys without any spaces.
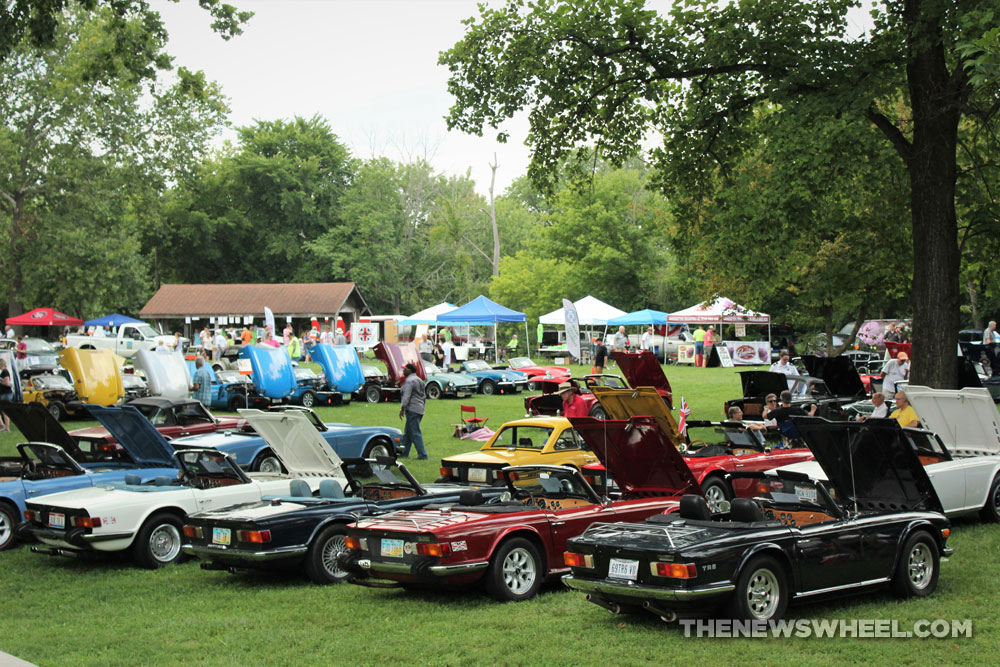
{"x":62,"y":611}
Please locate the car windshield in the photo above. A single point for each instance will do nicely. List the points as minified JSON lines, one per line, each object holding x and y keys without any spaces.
{"x":430,"y":369}
{"x":304,"y":373}
{"x":521,"y":437}
{"x":371,"y":371}
{"x":147,"y":331}
{"x":730,"y":437}
{"x":802,"y":388}
{"x":148,"y":411}
{"x":200,"y":465}
{"x":54,"y":382}
{"x":39,"y":346}
{"x":545,"y":483}
{"x":193,"y":413}
{"x":477,"y":365}
{"x":521,"y":362}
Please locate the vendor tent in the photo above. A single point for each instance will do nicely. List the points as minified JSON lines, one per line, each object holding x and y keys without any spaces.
{"x":484,"y":311}
{"x":726,"y":311}
{"x":112,"y":320}
{"x":427,"y":315}
{"x":45,"y":317}
{"x":592,"y":312}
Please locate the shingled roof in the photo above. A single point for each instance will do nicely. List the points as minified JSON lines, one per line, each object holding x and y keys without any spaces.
{"x":288,"y":299}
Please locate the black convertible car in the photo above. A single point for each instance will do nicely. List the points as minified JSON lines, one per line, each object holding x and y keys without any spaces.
{"x":302,"y":530}
{"x":877,"y":521}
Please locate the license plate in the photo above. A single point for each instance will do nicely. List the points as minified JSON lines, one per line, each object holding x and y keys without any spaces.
{"x":57,"y":520}
{"x":222,"y":536}
{"x":392,"y":548}
{"x":477,"y":475}
{"x":806,"y":493}
{"x":623,"y":569}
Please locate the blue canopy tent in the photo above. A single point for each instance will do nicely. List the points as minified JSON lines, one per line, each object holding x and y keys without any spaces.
{"x":641,"y":317}
{"x":484,"y":311}
{"x":112,"y":320}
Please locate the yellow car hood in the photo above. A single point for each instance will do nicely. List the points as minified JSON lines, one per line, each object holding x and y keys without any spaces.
{"x":503,"y":457}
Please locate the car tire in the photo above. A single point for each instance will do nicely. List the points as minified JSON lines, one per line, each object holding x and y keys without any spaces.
{"x":917,"y":571}
{"x":373,"y":394}
{"x":379,"y":447}
{"x":597,"y":412}
{"x":515,"y":571}
{"x":715,"y":491}
{"x":308,"y":399}
{"x":761,"y":591}
{"x":433,"y":391}
{"x":8,"y":526}
{"x":321,"y":562}
{"x":57,"y":410}
{"x":158,"y":542}
{"x":991,"y":510}
{"x":235,"y":403}
{"x":266,"y":461}
{"x":488,"y":388}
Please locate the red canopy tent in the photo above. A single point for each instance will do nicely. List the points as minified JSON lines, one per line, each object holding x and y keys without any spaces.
{"x":44,"y":317}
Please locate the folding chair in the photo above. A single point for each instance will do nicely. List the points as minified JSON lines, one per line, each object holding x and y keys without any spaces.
{"x":469,"y":424}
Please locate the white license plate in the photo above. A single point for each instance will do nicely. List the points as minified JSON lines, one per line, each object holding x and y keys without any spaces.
{"x":806,"y":493}
{"x":57,"y":520}
{"x":392,"y":548}
{"x":222,"y":536}
{"x":623,"y":569}
{"x":477,"y":475}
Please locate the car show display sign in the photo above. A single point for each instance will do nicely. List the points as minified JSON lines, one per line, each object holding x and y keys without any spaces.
{"x":364,"y":334}
{"x":572,"y":328}
{"x":725,"y":360}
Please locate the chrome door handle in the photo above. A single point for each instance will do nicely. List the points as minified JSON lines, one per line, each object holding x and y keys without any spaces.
{"x":558,"y":523}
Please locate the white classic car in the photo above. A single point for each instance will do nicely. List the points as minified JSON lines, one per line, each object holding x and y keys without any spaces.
{"x":959,"y":446}
{"x":148,"y":517}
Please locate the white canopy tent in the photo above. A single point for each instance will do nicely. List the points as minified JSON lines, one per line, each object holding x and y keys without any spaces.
{"x":428,"y":315}
{"x":592,"y":312}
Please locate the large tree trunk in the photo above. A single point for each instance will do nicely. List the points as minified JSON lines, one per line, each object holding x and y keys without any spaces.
{"x":935,"y":97}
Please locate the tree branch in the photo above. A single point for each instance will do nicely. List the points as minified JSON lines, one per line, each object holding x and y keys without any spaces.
{"x":902,"y":145}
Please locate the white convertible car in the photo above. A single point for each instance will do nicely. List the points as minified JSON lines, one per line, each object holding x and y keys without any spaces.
{"x":148,"y":517}
{"x":959,"y":446}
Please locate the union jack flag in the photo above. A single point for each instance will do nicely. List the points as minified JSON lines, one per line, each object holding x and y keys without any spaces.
{"x":685,"y":412}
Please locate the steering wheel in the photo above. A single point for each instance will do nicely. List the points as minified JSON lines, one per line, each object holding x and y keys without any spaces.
{"x":694,"y":444}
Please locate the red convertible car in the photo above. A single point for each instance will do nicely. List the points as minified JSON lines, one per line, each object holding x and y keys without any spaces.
{"x":710,"y":449}
{"x":535,"y":373}
{"x":641,"y":369}
{"x":173,"y":417}
{"x":514,"y":541}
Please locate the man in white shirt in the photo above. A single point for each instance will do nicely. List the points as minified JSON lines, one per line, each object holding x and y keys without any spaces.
{"x":895,"y":370}
{"x":784,"y":365}
{"x":220,"y":345}
{"x":991,"y":336}
{"x":647,"y":339}
{"x":446,"y":347}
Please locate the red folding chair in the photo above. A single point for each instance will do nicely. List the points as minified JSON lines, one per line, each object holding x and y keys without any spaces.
{"x":469,"y":424}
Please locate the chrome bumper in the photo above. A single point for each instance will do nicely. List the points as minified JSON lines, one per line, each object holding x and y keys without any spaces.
{"x":641,"y":592}
{"x":407,"y":568}
{"x":208,"y":553}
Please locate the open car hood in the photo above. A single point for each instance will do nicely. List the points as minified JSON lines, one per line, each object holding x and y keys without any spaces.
{"x":37,"y":425}
{"x":135,"y":434}
{"x":872,"y":462}
{"x":397,"y":355}
{"x":622,"y":404}
{"x":272,"y":370}
{"x":641,"y":369}
{"x":341,"y":366}
{"x":966,"y":420}
{"x":295,"y":440}
{"x":762,"y":383}
{"x":838,"y":372}
{"x":638,"y":455}
{"x":166,"y":372}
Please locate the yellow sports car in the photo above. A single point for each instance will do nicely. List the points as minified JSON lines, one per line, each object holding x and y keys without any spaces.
{"x":531,"y":441}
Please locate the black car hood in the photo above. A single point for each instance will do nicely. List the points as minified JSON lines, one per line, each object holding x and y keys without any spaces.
{"x":640,"y":457}
{"x":135,"y":434}
{"x":37,"y":425}
{"x":762,"y":383}
{"x":841,"y":377}
{"x":871,"y":462}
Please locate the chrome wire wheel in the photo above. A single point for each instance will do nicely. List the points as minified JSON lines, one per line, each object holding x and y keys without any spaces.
{"x":763,"y":593}
{"x":920,"y":566}
{"x":165,"y":543}
{"x":6,"y":529}
{"x":332,"y":548}
{"x":519,"y":571}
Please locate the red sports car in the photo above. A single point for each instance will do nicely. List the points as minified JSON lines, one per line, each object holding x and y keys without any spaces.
{"x":535,"y":373}
{"x":514,"y":541}
{"x":710,"y":449}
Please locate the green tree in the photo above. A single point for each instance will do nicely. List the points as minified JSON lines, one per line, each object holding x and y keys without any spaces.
{"x":607,"y":72}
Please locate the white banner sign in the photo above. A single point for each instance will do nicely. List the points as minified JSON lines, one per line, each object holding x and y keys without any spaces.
{"x":364,"y":334}
{"x":741,"y":330}
{"x":572,"y":328}
{"x":268,"y":319}
{"x":749,"y":352}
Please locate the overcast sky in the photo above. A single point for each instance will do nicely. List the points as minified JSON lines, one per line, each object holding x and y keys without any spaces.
{"x":368,"y":66}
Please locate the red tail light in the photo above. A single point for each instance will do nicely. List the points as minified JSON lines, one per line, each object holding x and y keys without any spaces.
{"x":433,"y":549}
{"x":352,"y":542}
{"x":674,"y":570}
{"x":255,"y":536}
{"x":578,"y":560}
{"x":86,"y":521}
{"x":445,"y":472}
{"x":192,"y":531}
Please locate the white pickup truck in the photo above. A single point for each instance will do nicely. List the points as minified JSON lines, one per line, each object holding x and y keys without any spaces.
{"x":130,"y":339}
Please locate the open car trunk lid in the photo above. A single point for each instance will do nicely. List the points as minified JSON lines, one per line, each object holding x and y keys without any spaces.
{"x":762,"y":383}
{"x":838,"y":373}
{"x":871,"y":462}
{"x":642,"y":369}
{"x":295,"y":440}
{"x":135,"y":434}
{"x":397,"y":355}
{"x":638,"y":454}
{"x":37,"y":425}
{"x":640,"y":402}
{"x":966,"y":420}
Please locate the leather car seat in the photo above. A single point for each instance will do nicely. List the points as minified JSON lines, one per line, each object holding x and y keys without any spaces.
{"x":695,"y":508}
{"x":330,"y":488}
{"x":745,"y":510}
{"x":299,"y":489}
{"x":132,"y":479}
{"x":470,"y":497}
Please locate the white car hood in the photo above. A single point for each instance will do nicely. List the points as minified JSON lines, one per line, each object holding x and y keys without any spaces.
{"x":295,"y":440}
{"x":966,"y":420}
{"x":167,"y":373}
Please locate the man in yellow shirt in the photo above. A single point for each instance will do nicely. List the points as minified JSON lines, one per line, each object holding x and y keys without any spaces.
{"x":904,"y":412}
{"x":699,"y":346}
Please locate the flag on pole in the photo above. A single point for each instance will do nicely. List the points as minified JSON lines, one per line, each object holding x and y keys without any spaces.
{"x":685,"y":413}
